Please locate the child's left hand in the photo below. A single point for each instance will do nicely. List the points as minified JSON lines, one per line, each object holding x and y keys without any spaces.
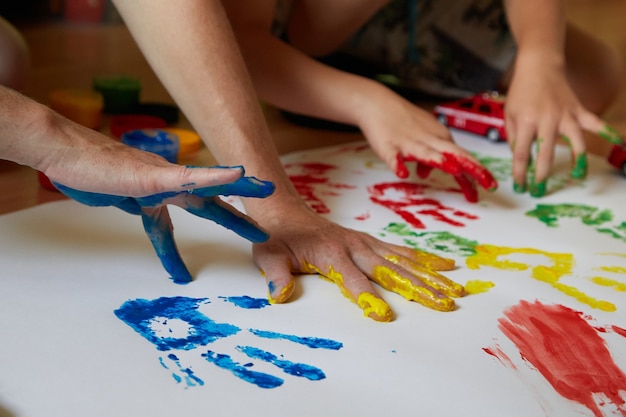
{"x":542,"y":108}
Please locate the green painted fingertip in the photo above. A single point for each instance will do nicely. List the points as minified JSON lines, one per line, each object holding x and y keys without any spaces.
{"x":538,"y":190}
{"x":580,"y":168}
{"x":567,"y":140}
{"x":519,"y":188}
{"x":610,"y":135}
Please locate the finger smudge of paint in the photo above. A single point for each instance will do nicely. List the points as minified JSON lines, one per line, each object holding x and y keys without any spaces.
{"x":477,"y":287}
{"x":311,"y":342}
{"x":247,"y":302}
{"x":562,"y":265}
{"x":296,"y":369}
{"x":260,"y":379}
{"x":568,"y":352}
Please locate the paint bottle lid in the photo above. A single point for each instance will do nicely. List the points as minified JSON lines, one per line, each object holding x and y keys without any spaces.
{"x":81,"y":106}
{"x":123,"y":123}
{"x":156,"y":141}
{"x":121,"y":93}
{"x":188,"y":140}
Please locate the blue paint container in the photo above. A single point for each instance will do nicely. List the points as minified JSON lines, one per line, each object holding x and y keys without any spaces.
{"x":156,"y":141}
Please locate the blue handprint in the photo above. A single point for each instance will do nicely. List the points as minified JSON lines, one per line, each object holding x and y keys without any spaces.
{"x":202,"y":202}
{"x":147,"y":316}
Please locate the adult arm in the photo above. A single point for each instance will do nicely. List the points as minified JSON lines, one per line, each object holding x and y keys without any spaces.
{"x":193,"y":50}
{"x":32,"y":134}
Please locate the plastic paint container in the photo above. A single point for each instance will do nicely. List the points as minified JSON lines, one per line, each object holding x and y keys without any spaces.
{"x":120,"y":93}
{"x":81,"y":106}
{"x":123,"y":123}
{"x":189,"y":142}
{"x":156,"y":141}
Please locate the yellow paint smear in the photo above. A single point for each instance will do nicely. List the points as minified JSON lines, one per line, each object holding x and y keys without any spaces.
{"x":488,"y":255}
{"x":477,"y":287}
{"x":614,"y":269}
{"x":607,"y":282}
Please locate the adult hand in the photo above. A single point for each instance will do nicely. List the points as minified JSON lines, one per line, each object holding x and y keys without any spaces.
{"x":308,"y":243}
{"x":202,"y":202}
{"x":399,"y":132}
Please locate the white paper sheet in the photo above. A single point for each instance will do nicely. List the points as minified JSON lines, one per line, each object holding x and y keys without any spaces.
{"x":67,"y":268}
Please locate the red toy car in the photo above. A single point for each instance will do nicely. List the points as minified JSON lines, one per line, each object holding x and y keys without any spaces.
{"x":617,"y":157}
{"x":482,"y":114}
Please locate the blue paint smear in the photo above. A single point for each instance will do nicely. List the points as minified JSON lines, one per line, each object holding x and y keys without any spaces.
{"x":312,"y":342}
{"x":247,"y":302}
{"x":140,"y":313}
{"x":297,"y":369}
{"x":259,"y":379}
{"x":191,"y":380}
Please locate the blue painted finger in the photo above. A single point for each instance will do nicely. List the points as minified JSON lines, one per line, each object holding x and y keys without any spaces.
{"x":158,"y":227}
{"x":226,"y":216}
{"x":243,"y":187}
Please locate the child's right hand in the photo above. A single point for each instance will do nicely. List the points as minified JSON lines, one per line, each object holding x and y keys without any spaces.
{"x":400,"y":132}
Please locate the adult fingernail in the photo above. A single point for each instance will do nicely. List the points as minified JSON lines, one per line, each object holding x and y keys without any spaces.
{"x":374,"y":308}
{"x":279,"y":296}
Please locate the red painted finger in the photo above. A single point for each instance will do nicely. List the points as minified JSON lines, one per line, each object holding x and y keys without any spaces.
{"x":423,"y":170}
{"x":401,"y":170}
{"x":468,"y":188}
{"x":478,"y":172}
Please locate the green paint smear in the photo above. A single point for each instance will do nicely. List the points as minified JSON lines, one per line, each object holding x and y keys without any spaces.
{"x":500,"y":168}
{"x":589,"y":215}
{"x":439,"y":242}
{"x":551,"y":213}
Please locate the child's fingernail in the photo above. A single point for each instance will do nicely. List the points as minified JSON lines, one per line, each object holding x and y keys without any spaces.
{"x":580,"y":168}
{"x":610,"y":135}
{"x":538,"y":190}
{"x":519,"y":188}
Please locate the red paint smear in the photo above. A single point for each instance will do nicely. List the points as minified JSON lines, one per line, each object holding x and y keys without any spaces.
{"x":363,"y":216}
{"x":412,"y":202}
{"x":619,"y":330}
{"x":566,"y":350}
{"x":499,"y":354}
{"x":313,"y":176}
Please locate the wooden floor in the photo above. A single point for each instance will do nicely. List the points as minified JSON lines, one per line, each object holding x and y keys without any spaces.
{"x":70,"y":55}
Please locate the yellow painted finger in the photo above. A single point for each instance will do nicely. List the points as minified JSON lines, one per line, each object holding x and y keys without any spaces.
{"x":425,"y":295}
{"x":433,"y":262}
{"x":429,"y":277}
{"x":373,"y":306}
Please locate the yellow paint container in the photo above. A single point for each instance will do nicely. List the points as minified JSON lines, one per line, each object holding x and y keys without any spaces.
{"x":81,"y":106}
{"x":189,"y":142}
